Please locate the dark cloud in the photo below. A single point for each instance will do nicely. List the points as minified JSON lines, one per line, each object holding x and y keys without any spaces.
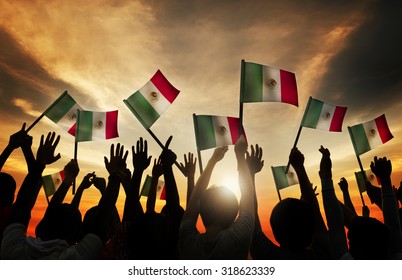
{"x":367,"y":74}
{"x":21,"y":76}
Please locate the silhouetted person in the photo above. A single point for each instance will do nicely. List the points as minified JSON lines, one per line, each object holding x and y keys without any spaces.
{"x":226,"y":237}
{"x":188,"y":167}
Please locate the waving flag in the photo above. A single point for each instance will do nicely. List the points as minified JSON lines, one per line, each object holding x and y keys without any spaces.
{"x":370,"y":176}
{"x":283,"y":179}
{"x":160,"y":188}
{"x":96,"y":125}
{"x":63,"y":112}
{"x":215,"y":131}
{"x":150,"y":101}
{"x":369,"y":135}
{"x":52,"y":182}
{"x":263,"y":83}
{"x":324,"y":116}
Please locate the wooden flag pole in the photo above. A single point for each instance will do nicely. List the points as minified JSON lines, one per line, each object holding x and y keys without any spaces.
{"x":359,"y":162}
{"x":163,"y":147}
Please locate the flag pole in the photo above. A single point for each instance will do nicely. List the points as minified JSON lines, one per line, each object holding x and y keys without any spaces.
{"x":35,"y":122}
{"x":242,"y":66}
{"x":196,"y":140}
{"x":163,"y":147}
{"x":358,"y":161}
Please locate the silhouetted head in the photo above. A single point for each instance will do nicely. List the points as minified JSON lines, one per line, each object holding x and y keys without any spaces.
{"x":218,"y":207}
{"x":89,"y":222}
{"x":148,"y":238}
{"x":61,"y":221}
{"x":292,"y":221}
{"x":7,"y":189}
{"x":368,"y":239}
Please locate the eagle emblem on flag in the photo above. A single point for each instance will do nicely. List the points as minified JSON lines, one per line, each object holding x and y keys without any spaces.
{"x":271,"y":83}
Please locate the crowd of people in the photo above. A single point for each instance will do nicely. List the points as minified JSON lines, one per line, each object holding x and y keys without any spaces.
{"x":232,"y":228}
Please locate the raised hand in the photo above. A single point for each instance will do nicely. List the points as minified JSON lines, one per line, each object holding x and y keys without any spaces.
{"x":240,"y":146}
{"x":18,"y":138}
{"x":168,"y":157}
{"x":47,"y":147}
{"x":189,"y":165}
{"x":326,"y":164}
{"x":117,"y":163}
{"x":157,"y":169}
{"x":219,"y":153}
{"x":88,"y":180}
{"x":381,"y":167}
{"x":71,"y":171}
{"x":343,"y":184}
{"x":254,"y":160}
{"x":296,"y":158}
{"x":140,"y":155}
{"x":99,"y":183}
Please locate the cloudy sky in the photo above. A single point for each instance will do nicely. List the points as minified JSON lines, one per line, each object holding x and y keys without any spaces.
{"x":342,"y":52}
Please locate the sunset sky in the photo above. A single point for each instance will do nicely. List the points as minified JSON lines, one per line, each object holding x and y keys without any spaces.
{"x":346,"y":53}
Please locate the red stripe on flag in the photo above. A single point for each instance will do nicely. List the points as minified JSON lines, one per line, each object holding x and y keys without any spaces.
{"x":234,"y":129}
{"x":383,"y":129}
{"x":337,"y":120}
{"x":72,"y":129}
{"x":111,"y":124}
{"x":62,"y":175}
{"x":289,"y":88}
{"x":163,"y":193}
{"x":164,"y":86}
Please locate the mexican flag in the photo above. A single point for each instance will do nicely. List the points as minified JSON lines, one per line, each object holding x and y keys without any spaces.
{"x":52,"y":182}
{"x":282,"y":179}
{"x":93,"y":126}
{"x":324,"y":116}
{"x":63,"y":112}
{"x":215,"y":131}
{"x":262,"y":83}
{"x":150,"y":101}
{"x":371,"y":177}
{"x":160,"y":188}
{"x":369,"y":135}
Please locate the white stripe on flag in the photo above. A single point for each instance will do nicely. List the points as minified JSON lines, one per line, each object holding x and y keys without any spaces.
{"x":326,"y":116}
{"x":271,"y":87}
{"x":222,"y":131}
{"x":98,"y":125}
{"x":372,"y":134}
{"x":69,"y":119}
{"x":154,"y":97}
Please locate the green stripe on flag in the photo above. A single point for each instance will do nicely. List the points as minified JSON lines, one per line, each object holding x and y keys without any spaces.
{"x":141,"y":108}
{"x":48,"y":185}
{"x":253,"y":79}
{"x":361,"y":181}
{"x":60,"y":107}
{"x":281,"y":181}
{"x":147,"y":186}
{"x":84,"y":126}
{"x":359,"y":139}
{"x":205,"y":134}
{"x":312,"y":113}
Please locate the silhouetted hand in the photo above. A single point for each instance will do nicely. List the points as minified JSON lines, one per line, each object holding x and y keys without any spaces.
{"x":240,"y":147}
{"x":365,"y":211}
{"x":343,"y":184}
{"x":18,"y":138}
{"x":117,"y":163}
{"x":189,"y":165}
{"x":47,"y":147}
{"x":381,"y":167}
{"x":87,"y":180}
{"x":326,"y":164}
{"x":168,"y":157}
{"x":219,"y":153}
{"x":71,"y":171}
{"x":140,"y":155}
{"x":254,"y":160}
{"x":157,"y":169}
{"x":99,"y":183}
{"x":296,"y":158}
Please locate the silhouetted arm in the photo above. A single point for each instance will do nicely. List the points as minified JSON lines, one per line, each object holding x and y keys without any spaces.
{"x":85,"y":184}
{"x":374,"y":193}
{"x":189,"y":171}
{"x":30,"y":188}
{"x":157,"y":171}
{"x":141,"y":161}
{"x":343,"y":184}
{"x":70,"y":173}
{"x":332,"y":207}
{"x":296,"y":159}
{"x":382,"y":168}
